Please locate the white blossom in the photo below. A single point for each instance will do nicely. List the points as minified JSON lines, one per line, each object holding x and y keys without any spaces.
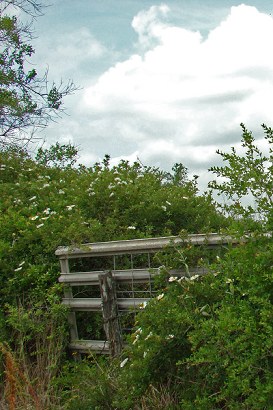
{"x":39,"y":226}
{"x":143,"y":305}
{"x":149,"y":335}
{"x":123,"y":363}
{"x":164,"y":208}
{"x":194,"y":277}
{"x":61,"y":192}
{"x":159,"y":297}
{"x":70,"y":207}
{"x":131,"y":227}
{"x":139,"y":330}
{"x":32,"y":198}
{"x":136,"y":339}
{"x":172,"y":278}
{"x":33,"y":218}
{"x":47,"y":211}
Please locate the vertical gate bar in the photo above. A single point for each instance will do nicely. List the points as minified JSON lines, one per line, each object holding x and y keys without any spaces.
{"x":69,"y":294}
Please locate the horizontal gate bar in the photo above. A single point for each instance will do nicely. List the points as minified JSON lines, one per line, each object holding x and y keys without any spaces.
{"x":95,"y":304}
{"x":145,"y":245}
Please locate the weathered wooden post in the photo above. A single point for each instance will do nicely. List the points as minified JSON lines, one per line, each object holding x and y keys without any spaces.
{"x":110,"y":313}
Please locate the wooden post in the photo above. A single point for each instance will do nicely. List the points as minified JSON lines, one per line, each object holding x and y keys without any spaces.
{"x":110,"y":313}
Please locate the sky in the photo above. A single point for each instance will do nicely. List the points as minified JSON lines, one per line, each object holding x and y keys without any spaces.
{"x":162,"y":82}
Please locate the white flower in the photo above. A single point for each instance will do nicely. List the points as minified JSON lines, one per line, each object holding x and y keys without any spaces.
{"x":112,"y":194}
{"x":185,"y":197}
{"x":131,"y":227}
{"x":136,"y":339}
{"x":149,"y":335}
{"x":164,"y":208}
{"x":61,"y":192}
{"x":168,"y":203}
{"x":139,"y":330}
{"x":194,"y":277}
{"x":180,"y":280}
{"x":47,"y":211}
{"x":123,"y":363}
{"x":169,"y":337}
{"x":159,"y":297}
{"x":32,"y":198}
{"x":39,"y":226}
{"x":172,"y":278}
{"x":143,"y":305}
{"x":33,"y":218}
{"x":17,"y":270}
{"x":144,"y":355}
{"x":45,"y":185}
{"x":70,"y":207}
{"x":229,"y":281}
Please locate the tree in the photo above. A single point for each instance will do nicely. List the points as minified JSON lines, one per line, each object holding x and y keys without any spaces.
{"x":27,"y":100}
{"x":247,"y":179}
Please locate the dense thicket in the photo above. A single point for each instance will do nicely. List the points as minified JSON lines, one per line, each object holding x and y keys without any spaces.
{"x":204,"y":343}
{"x":49,"y":202}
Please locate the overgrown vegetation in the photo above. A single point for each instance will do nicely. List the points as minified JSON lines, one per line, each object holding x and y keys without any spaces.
{"x":48,"y":202}
{"x":203,"y":343}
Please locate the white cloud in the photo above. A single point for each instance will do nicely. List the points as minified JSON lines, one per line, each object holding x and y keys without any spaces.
{"x":66,"y":52}
{"x":181,"y":96}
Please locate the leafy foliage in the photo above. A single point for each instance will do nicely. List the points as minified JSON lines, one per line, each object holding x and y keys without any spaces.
{"x":247,"y":180}
{"x":204,"y":342}
{"x":209,"y":340}
{"x":27,"y":101}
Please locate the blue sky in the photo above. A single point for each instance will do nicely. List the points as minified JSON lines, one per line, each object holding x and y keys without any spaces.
{"x":164,"y":82}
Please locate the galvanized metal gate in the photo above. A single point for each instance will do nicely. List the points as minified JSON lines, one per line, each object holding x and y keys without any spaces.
{"x":113,"y":291}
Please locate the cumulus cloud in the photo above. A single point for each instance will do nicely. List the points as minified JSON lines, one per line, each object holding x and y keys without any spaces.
{"x":181,"y":96}
{"x":67,"y":52}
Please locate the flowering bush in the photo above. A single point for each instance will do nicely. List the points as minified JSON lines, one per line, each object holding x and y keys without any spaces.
{"x":49,"y":201}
